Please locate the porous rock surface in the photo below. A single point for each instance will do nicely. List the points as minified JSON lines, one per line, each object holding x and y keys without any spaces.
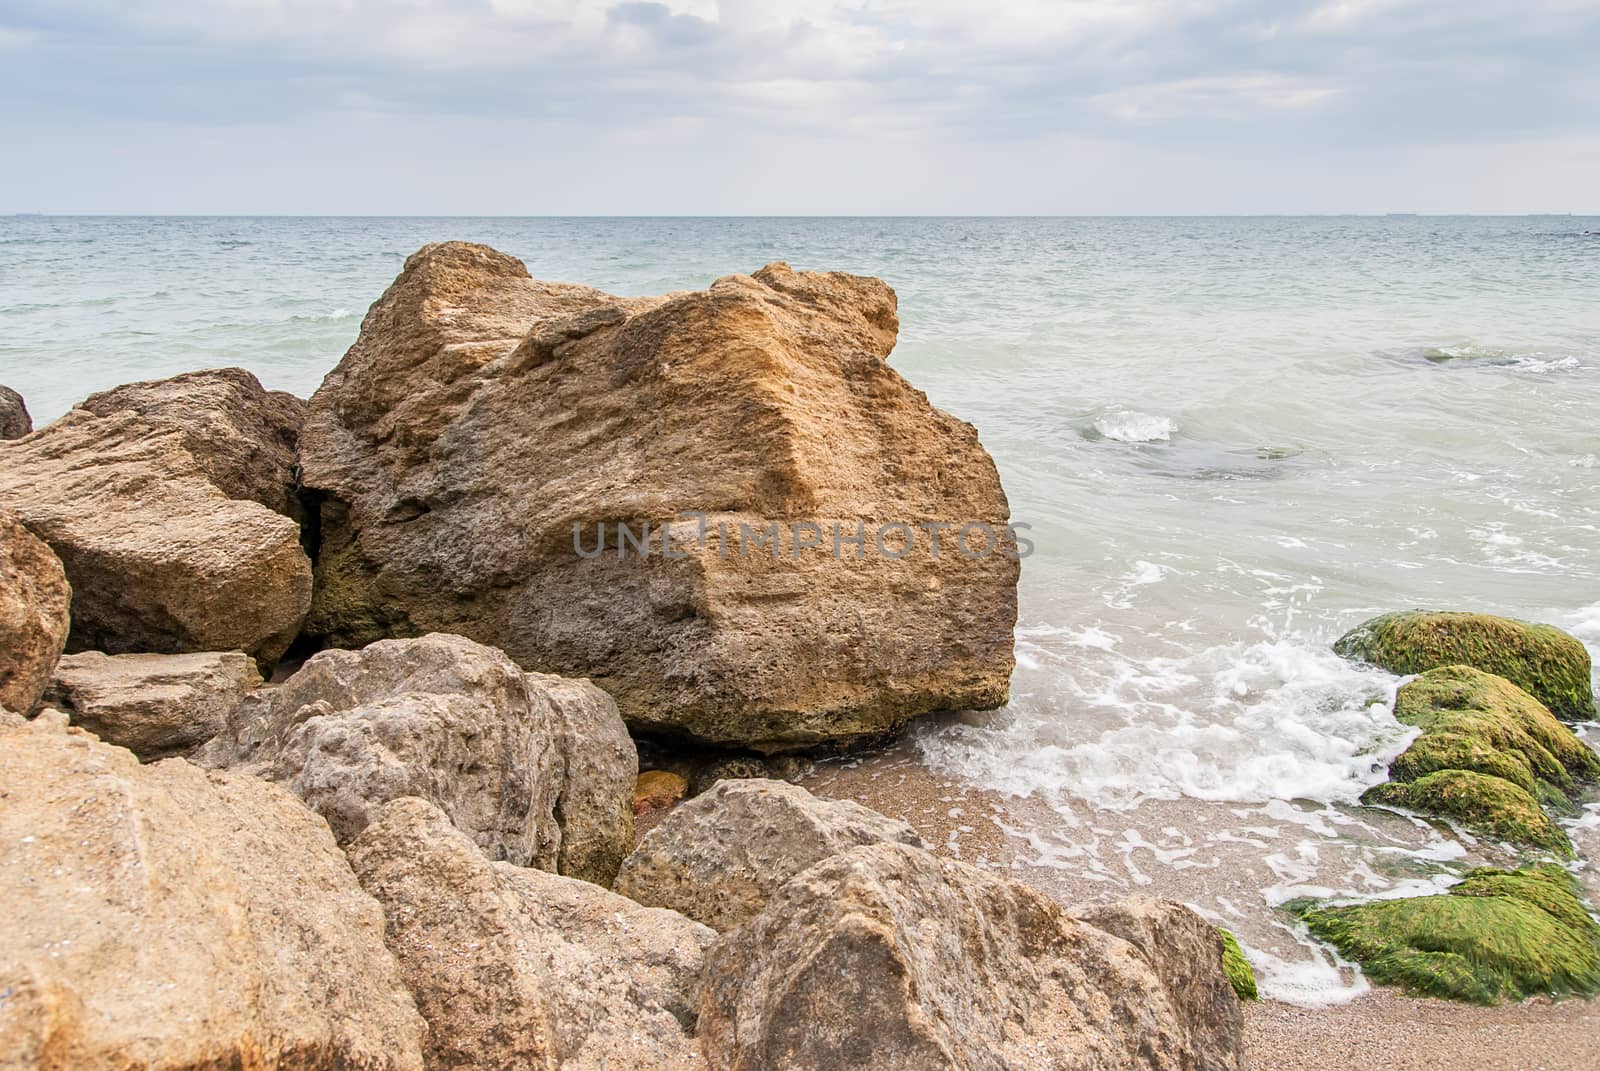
{"x":517,"y":968}
{"x":14,"y":419}
{"x":537,"y":770}
{"x":160,"y":559}
{"x":163,"y":918}
{"x":154,"y":705}
{"x":486,"y":425}
{"x":889,"y":957}
{"x":721,"y":856}
{"x":243,"y":436}
{"x":35,"y":605}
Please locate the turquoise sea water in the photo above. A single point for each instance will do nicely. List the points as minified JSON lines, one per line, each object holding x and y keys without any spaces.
{"x":1234,"y":438}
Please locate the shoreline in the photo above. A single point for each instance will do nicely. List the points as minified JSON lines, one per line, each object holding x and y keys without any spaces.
{"x":1382,"y":1029}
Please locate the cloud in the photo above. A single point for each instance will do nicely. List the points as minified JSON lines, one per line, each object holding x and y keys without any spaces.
{"x":1250,"y":78}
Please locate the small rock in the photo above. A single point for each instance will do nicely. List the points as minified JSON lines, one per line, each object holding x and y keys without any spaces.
{"x":14,"y":419}
{"x":515,"y":968}
{"x":154,"y":705}
{"x":35,"y":614}
{"x":726,"y":768}
{"x":656,"y":793}
{"x":721,"y":856}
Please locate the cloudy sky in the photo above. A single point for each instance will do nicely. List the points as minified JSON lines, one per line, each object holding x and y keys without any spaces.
{"x":534,"y":107}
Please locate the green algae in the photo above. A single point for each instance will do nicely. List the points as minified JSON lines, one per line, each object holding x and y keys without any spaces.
{"x":1488,"y":806}
{"x":1497,"y":935}
{"x":1544,"y":661}
{"x":1472,"y":720}
{"x":1240,"y":974}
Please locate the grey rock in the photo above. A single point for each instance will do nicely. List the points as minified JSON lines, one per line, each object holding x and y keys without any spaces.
{"x":14,"y":419}
{"x":719,"y":857}
{"x":537,"y":770}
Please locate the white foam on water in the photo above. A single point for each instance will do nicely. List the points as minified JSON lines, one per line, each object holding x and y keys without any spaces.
{"x":1132,"y":426}
{"x":1269,"y":720}
{"x":1317,"y":980}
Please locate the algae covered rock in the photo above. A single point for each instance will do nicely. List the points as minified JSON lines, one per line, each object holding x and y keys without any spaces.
{"x":1547,"y":663}
{"x":491,"y":445}
{"x":1490,"y":758}
{"x":1497,"y":935}
{"x":1489,"y":806}
{"x":1471,"y":720}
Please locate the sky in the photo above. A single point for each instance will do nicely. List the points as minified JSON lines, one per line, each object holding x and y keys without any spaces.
{"x":799,"y":107}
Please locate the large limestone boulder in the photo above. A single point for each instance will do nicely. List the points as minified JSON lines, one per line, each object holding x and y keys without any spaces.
{"x":165,"y":918}
{"x":488,"y":432}
{"x":516,"y":968}
{"x":14,"y":419}
{"x":35,"y":604}
{"x":721,"y":856}
{"x":243,"y":436}
{"x":889,"y":957}
{"x":1544,"y":661}
{"x":154,"y":705}
{"x":160,"y":559}
{"x":537,"y":770}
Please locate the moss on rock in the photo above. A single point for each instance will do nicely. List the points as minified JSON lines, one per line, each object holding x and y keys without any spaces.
{"x":1489,"y":806}
{"x":1240,"y":974}
{"x":1497,"y":935}
{"x":1541,"y":659}
{"x":1472,"y":720}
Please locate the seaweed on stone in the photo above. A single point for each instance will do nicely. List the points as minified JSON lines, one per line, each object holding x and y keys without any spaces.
{"x":1489,"y":806}
{"x":1497,"y":935}
{"x":1546,"y":662}
{"x":1240,"y":974}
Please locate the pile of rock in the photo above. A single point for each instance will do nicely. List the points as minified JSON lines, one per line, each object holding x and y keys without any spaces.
{"x":398,"y":855}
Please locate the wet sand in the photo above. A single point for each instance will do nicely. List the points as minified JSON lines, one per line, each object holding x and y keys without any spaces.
{"x":1381,"y":1030}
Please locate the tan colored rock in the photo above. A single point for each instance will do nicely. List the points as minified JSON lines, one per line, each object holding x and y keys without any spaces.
{"x":720,"y":857}
{"x":483,"y":416}
{"x":516,"y":968}
{"x":1174,"y":939}
{"x":35,"y":605}
{"x":243,"y":436}
{"x":169,"y":919}
{"x":14,"y":419}
{"x":891,"y":958}
{"x":160,"y":560}
{"x":655,"y":793}
{"x":154,"y":705}
{"x":537,"y":770}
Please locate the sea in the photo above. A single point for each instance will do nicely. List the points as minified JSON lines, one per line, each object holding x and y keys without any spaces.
{"x":1234,"y":439}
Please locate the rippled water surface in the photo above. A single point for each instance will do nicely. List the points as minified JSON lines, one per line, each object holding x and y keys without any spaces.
{"x":1234,"y":439}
